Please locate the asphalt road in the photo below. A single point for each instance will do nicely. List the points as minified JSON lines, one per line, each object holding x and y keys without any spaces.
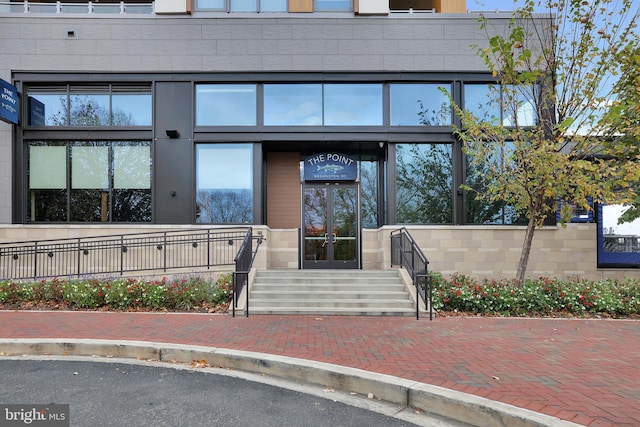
{"x":143,"y":394}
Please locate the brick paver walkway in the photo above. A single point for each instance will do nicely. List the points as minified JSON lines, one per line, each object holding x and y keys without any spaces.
{"x":585,"y":371}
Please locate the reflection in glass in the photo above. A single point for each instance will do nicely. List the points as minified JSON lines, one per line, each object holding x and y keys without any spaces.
{"x":224,"y":183}
{"x":210,"y":4}
{"x":315,"y":223}
{"x":619,"y":238}
{"x":47,"y":109}
{"x":89,"y":110}
{"x":424,"y":183}
{"x":292,"y":104}
{"x":226,"y":105}
{"x":131,"y":109}
{"x":483,"y":101}
{"x":273,"y":5}
{"x":89,"y":183}
{"x":243,"y":5}
{"x":483,"y":211}
{"x":519,"y":106}
{"x":333,"y":5}
{"x":369,"y":193}
{"x":131,"y":195}
{"x":345,"y":221}
{"x":353,"y":104}
{"x":106,"y":181}
{"x":419,"y":104}
{"x":47,"y":182}
{"x":89,"y":107}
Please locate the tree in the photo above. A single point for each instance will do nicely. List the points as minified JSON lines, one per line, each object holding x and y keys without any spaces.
{"x":622,"y":119}
{"x":557,"y":67}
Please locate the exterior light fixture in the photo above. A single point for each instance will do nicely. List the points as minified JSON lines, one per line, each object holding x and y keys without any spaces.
{"x":173,"y":133}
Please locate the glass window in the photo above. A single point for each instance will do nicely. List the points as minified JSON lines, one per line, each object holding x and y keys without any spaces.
{"x":131,"y":109}
{"x":131,"y":195}
{"x":292,"y":104}
{"x":90,"y":106}
{"x":210,"y":4}
{"x":519,"y":105}
{"x":89,"y":110}
{"x":419,"y":104}
{"x":618,"y":244}
{"x":478,"y":177}
{"x":483,"y":101}
{"x":333,"y":5}
{"x":226,"y":105}
{"x":243,"y":5}
{"x":48,"y":108}
{"x":96,"y":182}
{"x":224,"y":183}
{"x":273,"y":5}
{"x":369,"y":193}
{"x":424,"y":193}
{"x":353,"y":104}
{"x":505,"y":104}
{"x":47,"y":199}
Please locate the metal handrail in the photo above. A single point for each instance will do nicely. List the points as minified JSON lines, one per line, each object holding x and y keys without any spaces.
{"x":89,"y":8}
{"x":109,"y":254}
{"x":406,"y":253}
{"x":244,"y":263}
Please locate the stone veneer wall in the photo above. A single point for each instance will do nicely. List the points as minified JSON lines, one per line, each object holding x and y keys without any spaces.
{"x":480,"y":251}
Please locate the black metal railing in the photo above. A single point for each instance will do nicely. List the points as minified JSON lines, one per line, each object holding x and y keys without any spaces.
{"x":123,"y":253}
{"x":244,"y":263}
{"x":406,"y":253}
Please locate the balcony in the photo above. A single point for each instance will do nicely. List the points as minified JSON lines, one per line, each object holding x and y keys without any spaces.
{"x":181,"y":7}
{"x":104,"y":7}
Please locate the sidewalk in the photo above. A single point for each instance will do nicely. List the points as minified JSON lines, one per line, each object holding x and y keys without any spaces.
{"x":584,"y":371}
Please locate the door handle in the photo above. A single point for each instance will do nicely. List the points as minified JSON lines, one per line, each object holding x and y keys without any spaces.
{"x":326,"y":239}
{"x":334,"y":237}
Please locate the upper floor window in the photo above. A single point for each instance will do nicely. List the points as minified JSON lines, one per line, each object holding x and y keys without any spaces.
{"x":506,"y":104}
{"x":353,"y":104}
{"x":293,"y":104}
{"x":242,"y":5}
{"x":89,"y":106}
{"x":333,"y":5}
{"x":226,"y":105}
{"x":414,"y":104}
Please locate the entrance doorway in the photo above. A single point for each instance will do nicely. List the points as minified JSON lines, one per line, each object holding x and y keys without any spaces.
{"x":330,"y":225}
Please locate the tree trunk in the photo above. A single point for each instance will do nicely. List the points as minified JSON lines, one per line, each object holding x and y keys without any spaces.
{"x":526,"y":249}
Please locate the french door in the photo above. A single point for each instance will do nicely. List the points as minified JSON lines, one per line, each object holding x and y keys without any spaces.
{"x":331,"y":225}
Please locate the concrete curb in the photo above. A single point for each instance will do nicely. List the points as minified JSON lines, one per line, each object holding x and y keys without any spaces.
{"x":454,"y":405}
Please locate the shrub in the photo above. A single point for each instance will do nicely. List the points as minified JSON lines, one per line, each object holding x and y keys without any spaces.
{"x":120,"y":293}
{"x":543,"y":296}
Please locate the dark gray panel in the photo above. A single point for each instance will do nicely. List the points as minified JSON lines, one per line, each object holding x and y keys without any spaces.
{"x":174,"y":167}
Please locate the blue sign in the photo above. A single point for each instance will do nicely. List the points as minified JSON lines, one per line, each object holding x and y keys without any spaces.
{"x":36,"y":112}
{"x":330,"y":167}
{"x":8,"y":102}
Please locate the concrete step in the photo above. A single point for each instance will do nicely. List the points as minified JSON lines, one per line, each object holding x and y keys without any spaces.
{"x":334,"y":311}
{"x":323,"y":303}
{"x":269,"y":293}
{"x":330,"y":292}
{"x":326,"y":287}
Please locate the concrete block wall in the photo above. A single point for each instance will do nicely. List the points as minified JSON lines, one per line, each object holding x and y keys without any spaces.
{"x":494,"y":251}
{"x":480,"y":251}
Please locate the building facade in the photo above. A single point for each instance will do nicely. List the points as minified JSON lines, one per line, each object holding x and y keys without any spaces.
{"x":325,"y":124}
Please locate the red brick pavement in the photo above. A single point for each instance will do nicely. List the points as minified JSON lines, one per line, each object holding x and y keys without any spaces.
{"x":585,"y":371}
